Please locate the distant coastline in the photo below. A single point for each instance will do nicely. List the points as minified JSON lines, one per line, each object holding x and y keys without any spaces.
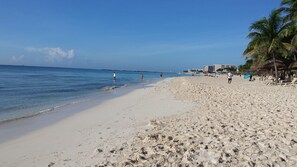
{"x":81,"y":68}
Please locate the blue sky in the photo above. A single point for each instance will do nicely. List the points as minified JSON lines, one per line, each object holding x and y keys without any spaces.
{"x":168,"y":35}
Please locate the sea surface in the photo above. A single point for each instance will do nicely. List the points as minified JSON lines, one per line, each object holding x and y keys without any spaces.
{"x":26,"y":91}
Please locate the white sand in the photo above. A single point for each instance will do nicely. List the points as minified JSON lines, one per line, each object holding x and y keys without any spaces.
{"x":199,"y":122}
{"x":79,"y":139}
{"x":239,"y":124}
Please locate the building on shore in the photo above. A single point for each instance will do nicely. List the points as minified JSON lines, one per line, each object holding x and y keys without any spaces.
{"x":209,"y":69}
{"x":193,"y":70}
{"x":215,"y":67}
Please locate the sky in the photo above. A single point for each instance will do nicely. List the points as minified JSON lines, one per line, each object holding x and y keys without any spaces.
{"x":162,"y":35}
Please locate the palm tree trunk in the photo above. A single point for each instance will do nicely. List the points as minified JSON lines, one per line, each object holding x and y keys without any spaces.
{"x":275,"y":68}
{"x":295,"y":58}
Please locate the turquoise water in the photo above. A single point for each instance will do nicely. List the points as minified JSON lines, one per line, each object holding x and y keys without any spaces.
{"x":27,"y":91}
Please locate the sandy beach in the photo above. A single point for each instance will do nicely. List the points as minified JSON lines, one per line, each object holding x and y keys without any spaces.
{"x":185,"y":121}
{"x":88,"y":137}
{"x":239,"y":124}
{"x":148,"y":83}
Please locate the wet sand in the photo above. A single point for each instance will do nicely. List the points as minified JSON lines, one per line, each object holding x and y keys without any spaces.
{"x":89,"y":136}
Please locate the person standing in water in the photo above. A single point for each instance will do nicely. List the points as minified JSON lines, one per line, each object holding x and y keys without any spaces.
{"x":142,"y":76}
{"x":161,"y":75}
{"x":114,"y":76}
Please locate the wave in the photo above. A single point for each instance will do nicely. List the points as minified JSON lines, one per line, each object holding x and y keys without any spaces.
{"x":54,"y":108}
{"x":26,"y":91}
{"x":44,"y":111}
{"x":109,"y":88}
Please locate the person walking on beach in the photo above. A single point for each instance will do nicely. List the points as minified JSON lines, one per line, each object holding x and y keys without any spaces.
{"x":114,"y":76}
{"x":230,"y":75}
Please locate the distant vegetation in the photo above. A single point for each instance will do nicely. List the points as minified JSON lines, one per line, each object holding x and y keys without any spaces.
{"x":273,"y":38}
{"x":227,"y":69}
{"x":246,"y":67}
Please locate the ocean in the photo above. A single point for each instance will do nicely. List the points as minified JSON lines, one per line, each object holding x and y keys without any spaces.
{"x":26,"y":91}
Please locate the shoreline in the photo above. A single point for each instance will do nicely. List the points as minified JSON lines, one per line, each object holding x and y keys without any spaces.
{"x":10,"y":129}
{"x":104,"y":93}
{"x":188,"y":121}
{"x":80,"y":136}
{"x":28,"y":91}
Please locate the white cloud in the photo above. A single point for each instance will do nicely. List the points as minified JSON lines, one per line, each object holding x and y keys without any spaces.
{"x":16,"y":59}
{"x":58,"y":53}
{"x":54,"y":54}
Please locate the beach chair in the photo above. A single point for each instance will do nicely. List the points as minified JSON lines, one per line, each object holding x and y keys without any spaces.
{"x":281,"y":82}
{"x":292,"y":83}
{"x":270,"y":82}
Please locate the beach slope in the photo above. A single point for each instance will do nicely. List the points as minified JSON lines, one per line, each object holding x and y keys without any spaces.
{"x":95,"y":135}
{"x":239,"y":124}
{"x":185,"y":121}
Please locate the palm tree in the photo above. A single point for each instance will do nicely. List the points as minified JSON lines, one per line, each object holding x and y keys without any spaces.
{"x":292,"y":39}
{"x":290,"y":9}
{"x":267,"y":39}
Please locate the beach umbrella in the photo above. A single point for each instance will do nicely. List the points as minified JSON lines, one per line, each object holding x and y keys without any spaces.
{"x":268,"y":64}
{"x":246,"y":76}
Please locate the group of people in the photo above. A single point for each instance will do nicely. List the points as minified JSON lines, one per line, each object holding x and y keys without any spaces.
{"x":230,"y":75}
{"x":141,"y":77}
